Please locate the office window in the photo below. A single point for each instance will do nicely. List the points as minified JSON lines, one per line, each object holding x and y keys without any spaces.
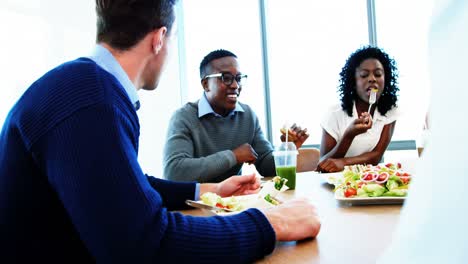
{"x":231,"y":25}
{"x":404,"y":37}
{"x":38,"y":35}
{"x":309,"y":42}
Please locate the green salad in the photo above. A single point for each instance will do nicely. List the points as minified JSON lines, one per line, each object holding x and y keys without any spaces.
{"x":238,"y":203}
{"x":231,"y":203}
{"x":374,"y":181}
{"x":278,"y":184}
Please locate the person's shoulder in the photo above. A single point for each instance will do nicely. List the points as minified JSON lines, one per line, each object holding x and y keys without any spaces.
{"x":82,"y":73}
{"x":333,"y":114}
{"x":393,"y":112}
{"x":83,"y":67}
{"x":188,"y":111}
{"x":392,"y":115}
{"x":247,"y":109}
{"x":188,"y":108}
{"x":245,"y":106}
{"x":58,"y":94}
{"x":69,"y":79}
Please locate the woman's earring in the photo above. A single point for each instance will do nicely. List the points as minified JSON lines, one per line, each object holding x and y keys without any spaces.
{"x":157,"y":49}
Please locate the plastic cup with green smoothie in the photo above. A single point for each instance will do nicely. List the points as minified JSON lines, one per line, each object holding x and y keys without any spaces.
{"x":285,"y":162}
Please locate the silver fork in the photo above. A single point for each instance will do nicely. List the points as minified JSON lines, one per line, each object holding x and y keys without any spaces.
{"x":205,"y":206}
{"x":372,"y":99}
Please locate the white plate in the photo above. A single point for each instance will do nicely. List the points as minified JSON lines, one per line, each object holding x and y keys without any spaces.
{"x":369,"y":200}
{"x":248,"y":201}
{"x":330,"y":177}
{"x":334,"y":178}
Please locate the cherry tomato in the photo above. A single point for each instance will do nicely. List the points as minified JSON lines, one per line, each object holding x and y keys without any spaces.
{"x":350,"y":192}
{"x":382,"y":177}
{"x":405,"y":180}
{"x":397,"y":173}
{"x":405,"y":174}
{"x":369,"y":177}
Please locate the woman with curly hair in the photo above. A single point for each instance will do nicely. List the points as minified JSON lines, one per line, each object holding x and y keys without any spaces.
{"x":353,"y":134}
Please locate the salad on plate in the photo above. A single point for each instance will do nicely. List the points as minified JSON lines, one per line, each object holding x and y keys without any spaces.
{"x":266,"y":198}
{"x":383,"y":180}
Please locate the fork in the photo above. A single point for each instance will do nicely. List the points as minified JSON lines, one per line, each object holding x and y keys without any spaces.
{"x":206,"y":206}
{"x":372,"y":98}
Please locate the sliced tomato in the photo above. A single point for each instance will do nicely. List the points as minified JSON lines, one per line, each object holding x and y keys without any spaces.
{"x":368,"y":177}
{"x":350,"y":192}
{"x":220,"y":205}
{"x":405,"y":180}
{"x":405,"y":174}
{"x":382,"y":176}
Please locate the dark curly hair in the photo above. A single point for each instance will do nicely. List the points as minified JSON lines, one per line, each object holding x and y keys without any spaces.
{"x":216,"y":54}
{"x":347,"y":85}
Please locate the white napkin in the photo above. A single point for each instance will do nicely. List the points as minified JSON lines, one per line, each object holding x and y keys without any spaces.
{"x":269,"y":188}
{"x":249,"y":169}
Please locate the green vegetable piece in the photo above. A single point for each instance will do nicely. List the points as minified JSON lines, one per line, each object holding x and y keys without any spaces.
{"x":374,"y":190}
{"x":396,"y":192}
{"x":362,"y":193}
{"x":279,"y":182}
{"x":392,"y":184}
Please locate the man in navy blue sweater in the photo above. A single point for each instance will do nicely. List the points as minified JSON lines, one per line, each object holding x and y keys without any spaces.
{"x":71,"y":188}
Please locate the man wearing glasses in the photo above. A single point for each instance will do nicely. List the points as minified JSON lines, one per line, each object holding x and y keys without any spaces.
{"x":209,"y":140}
{"x":71,"y":187}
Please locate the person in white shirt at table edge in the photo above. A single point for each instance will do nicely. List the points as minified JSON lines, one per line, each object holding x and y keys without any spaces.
{"x":433,"y":223}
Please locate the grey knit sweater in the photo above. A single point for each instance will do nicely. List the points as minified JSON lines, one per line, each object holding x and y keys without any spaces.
{"x":200,"y":149}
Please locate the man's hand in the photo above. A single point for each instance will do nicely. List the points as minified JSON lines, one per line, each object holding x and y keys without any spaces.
{"x":295,"y":134}
{"x":331,"y":165}
{"x":245,"y":153}
{"x":294,"y":220}
{"x":238,"y":185}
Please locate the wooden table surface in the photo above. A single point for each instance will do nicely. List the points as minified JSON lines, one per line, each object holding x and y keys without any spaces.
{"x":349,"y":233}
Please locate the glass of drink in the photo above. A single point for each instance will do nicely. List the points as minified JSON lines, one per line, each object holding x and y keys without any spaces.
{"x":285,"y":162}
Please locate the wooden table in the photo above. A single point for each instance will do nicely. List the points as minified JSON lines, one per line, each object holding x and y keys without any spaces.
{"x":349,"y":234}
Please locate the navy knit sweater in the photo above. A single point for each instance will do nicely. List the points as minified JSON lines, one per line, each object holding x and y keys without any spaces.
{"x":71,"y":189}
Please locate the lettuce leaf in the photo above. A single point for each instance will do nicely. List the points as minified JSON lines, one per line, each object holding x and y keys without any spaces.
{"x":396,"y":192}
{"x":373,"y":190}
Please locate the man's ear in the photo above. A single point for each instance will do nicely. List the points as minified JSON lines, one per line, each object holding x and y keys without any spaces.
{"x":159,"y":37}
{"x":204,"y":83}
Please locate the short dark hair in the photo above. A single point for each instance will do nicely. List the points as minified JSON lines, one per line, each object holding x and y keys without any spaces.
{"x":347,"y":86}
{"x":122,"y":23}
{"x":216,"y":54}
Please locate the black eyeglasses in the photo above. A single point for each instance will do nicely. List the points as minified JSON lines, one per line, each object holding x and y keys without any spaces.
{"x":228,"y":78}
